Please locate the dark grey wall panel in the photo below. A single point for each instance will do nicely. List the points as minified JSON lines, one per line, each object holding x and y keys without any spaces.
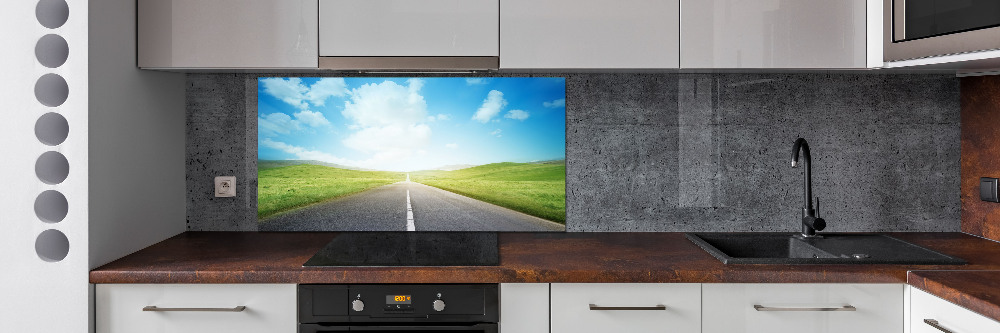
{"x":683,"y":152}
{"x":218,"y":139}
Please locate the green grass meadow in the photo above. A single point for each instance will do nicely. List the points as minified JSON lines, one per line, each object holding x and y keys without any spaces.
{"x":537,"y":189}
{"x":288,"y":187}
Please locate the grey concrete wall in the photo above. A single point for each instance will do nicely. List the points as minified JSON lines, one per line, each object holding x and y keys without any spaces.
{"x":221,"y":141}
{"x":683,"y":152}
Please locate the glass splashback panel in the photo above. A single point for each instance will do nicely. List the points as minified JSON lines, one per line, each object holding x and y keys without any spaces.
{"x":411,"y":154}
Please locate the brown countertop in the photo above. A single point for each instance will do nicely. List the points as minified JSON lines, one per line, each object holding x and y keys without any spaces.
{"x":978,"y":291}
{"x":253,"y":257}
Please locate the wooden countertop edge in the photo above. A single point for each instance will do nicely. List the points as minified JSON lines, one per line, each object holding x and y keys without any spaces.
{"x":497,"y":275}
{"x":968,"y":297}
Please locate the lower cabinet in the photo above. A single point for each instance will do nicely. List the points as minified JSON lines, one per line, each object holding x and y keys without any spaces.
{"x":626,"y":307}
{"x":802,"y":308}
{"x":196,"y":308}
{"x":570,"y":308}
{"x":930,"y":314}
{"x":524,"y":308}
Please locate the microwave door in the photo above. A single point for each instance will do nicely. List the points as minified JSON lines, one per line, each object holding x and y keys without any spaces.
{"x":916,"y":19}
{"x":914,"y":29}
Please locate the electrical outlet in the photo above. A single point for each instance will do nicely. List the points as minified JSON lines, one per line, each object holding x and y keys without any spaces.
{"x":225,"y":186}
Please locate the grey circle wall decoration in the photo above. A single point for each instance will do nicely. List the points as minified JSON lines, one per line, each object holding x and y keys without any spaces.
{"x":51,"y":51}
{"x":52,"y":245}
{"x":51,"y":206}
{"x":51,"y":129}
{"x":51,"y":90}
{"x":52,"y":168}
{"x":52,"y":13}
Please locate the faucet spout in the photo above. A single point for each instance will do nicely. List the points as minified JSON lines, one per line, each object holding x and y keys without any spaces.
{"x":803,"y":146}
{"x":810,"y":222}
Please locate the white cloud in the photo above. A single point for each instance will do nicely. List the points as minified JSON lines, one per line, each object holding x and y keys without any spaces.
{"x":496,"y":133}
{"x":389,"y":138}
{"x":555,"y":104}
{"x":386,"y":103}
{"x":324,"y":88}
{"x":451,"y":146}
{"x":276,"y":123}
{"x":305,"y":154}
{"x":289,"y":90}
{"x":440,"y":116}
{"x":280,"y":123}
{"x":475,"y":81}
{"x":517,"y":115}
{"x":492,"y":105}
{"x":393,"y":160}
{"x":311,"y":118}
{"x":388,"y":126}
{"x":297,"y":94}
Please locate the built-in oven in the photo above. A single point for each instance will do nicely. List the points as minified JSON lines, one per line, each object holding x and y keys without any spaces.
{"x":927,"y":28}
{"x":465,"y":308}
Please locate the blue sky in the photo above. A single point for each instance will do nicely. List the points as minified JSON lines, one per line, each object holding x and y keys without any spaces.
{"x":410,"y":124}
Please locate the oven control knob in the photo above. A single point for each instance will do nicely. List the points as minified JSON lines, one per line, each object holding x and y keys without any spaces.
{"x":438,"y":305}
{"x":358,"y":305}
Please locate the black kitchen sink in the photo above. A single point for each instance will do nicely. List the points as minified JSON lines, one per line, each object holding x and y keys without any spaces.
{"x":789,"y":248}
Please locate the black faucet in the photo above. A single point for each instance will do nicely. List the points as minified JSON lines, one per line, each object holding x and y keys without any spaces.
{"x":810,"y":222}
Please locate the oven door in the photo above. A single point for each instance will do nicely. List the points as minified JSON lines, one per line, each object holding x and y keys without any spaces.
{"x":472,"y":328}
{"x":926,"y":28}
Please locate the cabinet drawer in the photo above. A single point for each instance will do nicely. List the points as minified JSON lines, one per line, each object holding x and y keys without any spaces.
{"x":366,"y":28}
{"x":269,"y":308}
{"x":227,"y":34}
{"x":589,"y":34}
{"x":948,"y":315}
{"x":729,"y":308}
{"x":641,"y":307}
{"x":774,"y":34}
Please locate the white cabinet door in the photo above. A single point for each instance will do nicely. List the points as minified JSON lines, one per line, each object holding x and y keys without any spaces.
{"x":589,"y":34}
{"x":730,"y":308}
{"x":954,"y":318}
{"x":269,"y":308}
{"x":524,"y":308}
{"x":409,"y":28}
{"x":626,"y":307}
{"x":774,"y":34}
{"x":227,"y":34}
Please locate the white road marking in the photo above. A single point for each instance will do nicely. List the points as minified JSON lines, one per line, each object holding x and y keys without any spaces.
{"x":409,"y":210}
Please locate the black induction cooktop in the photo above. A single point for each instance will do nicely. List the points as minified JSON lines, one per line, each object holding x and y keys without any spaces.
{"x":409,"y":249}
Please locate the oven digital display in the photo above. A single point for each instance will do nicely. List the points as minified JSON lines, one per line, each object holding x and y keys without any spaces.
{"x":397,"y":299}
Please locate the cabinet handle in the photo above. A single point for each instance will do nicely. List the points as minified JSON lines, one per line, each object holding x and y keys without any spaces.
{"x":759,"y":307}
{"x":629,"y":308}
{"x":935,"y":324}
{"x":234,"y":309}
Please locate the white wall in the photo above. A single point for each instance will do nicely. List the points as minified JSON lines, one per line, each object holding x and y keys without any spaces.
{"x":36,"y":295}
{"x":125,"y":148}
{"x":137,"y":184}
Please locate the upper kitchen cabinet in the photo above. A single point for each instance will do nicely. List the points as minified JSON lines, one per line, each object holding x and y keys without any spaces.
{"x":409,"y":34}
{"x":220,"y":34}
{"x":781,"y":34}
{"x":582,"y":34}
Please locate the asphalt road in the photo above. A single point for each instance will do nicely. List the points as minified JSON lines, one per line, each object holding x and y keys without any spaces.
{"x":385,"y":209}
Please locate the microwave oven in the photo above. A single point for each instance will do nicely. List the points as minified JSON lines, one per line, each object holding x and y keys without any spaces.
{"x":915,"y":29}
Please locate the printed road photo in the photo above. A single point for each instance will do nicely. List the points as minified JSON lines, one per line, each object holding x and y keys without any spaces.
{"x":417,"y":154}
